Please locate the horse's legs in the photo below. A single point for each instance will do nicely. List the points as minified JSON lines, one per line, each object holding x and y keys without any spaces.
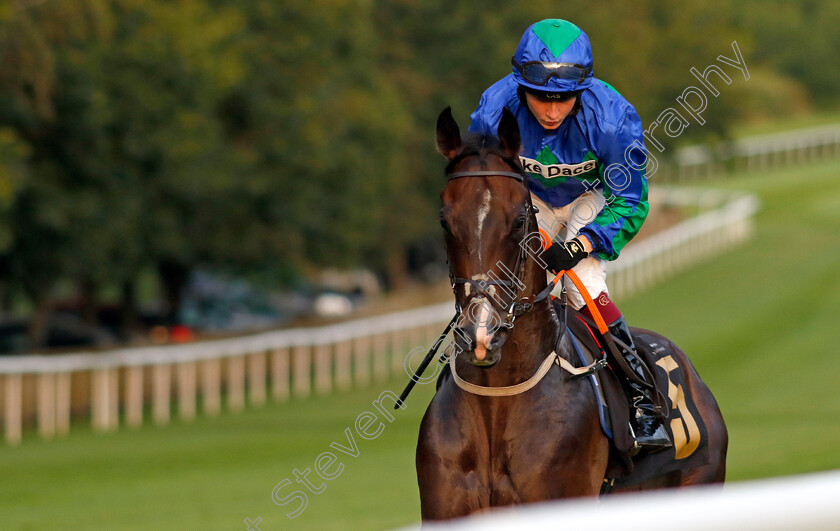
{"x":710,"y":473}
{"x":448,"y":501}
{"x":447,"y":492}
{"x":664,"y":481}
{"x":451,"y":468}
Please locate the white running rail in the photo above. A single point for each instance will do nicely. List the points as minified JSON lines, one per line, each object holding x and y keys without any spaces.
{"x":758,"y":153}
{"x":127,"y":386}
{"x":807,"y":503}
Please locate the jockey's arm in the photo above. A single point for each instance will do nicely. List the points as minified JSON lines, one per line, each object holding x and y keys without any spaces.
{"x":587,"y":244}
{"x":623,"y":156}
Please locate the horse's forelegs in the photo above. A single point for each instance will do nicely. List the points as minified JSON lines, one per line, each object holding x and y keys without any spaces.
{"x":445,"y":495}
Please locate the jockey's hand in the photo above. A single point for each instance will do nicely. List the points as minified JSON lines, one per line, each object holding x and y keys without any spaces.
{"x":564,"y":255}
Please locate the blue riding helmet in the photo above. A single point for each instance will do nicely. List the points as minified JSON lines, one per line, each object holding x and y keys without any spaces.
{"x":553,"y":55}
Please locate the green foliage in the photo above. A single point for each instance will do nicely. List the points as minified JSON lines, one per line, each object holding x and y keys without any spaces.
{"x":12,"y":181}
{"x":797,"y":39}
{"x":127,"y":162}
{"x":327,"y":157}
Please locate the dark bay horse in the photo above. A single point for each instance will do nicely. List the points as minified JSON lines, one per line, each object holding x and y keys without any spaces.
{"x":476,"y":452}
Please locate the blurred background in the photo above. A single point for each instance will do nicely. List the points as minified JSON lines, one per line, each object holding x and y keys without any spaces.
{"x":202,"y":162}
{"x":173,"y":170}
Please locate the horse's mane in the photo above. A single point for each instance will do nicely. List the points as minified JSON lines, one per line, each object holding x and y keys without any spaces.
{"x":477,"y":145}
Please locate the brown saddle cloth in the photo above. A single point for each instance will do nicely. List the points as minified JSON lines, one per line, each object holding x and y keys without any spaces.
{"x":682,"y":420}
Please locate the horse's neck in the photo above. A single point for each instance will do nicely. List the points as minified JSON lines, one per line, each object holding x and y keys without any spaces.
{"x":531,"y":340}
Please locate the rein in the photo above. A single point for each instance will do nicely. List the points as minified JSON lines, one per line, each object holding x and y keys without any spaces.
{"x":520,"y":305}
{"x":545,"y":366}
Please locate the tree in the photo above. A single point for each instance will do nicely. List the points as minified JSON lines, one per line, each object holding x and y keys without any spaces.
{"x":127,"y":161}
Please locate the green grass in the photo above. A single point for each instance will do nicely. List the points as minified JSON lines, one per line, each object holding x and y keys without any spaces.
{"x":760,"y":323}
{"x":215,"y":472}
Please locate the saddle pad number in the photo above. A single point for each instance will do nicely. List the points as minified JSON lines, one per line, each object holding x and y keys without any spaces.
{"x":685,"y":430}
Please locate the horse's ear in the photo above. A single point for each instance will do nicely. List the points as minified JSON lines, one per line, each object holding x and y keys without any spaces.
{"x":509,"y":137}
{"x":448,"y":134}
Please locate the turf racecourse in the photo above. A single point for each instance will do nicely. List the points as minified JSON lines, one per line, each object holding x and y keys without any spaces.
{"x":759,"y":322}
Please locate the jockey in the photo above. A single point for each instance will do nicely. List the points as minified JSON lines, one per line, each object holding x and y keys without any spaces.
{"x":583,"y":150}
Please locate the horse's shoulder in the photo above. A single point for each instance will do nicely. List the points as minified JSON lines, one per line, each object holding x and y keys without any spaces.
{"x":445,"y":411}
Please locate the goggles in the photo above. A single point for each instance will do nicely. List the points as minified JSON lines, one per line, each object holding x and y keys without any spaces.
{"x":539,"y":72}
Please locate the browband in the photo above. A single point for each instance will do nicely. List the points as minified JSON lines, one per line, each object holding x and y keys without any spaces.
{"x":487,"y":173}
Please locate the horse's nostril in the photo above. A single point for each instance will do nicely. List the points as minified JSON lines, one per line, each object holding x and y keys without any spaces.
{"x":498,"y":341}
{"x":464,"y":338}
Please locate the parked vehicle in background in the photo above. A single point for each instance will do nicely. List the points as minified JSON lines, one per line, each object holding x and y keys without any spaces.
{"x":214,"y":303}
{"x":64,"y":330}
{"x":340,"y":293}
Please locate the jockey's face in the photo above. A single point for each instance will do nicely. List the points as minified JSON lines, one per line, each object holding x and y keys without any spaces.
{"x":550,"y":113}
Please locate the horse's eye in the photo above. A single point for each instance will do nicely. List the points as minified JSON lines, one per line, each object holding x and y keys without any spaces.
{"x":444,"y":223}
{"x":519,"y":223}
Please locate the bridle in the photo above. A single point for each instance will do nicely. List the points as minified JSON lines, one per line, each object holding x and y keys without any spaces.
{"x":520,"y":304}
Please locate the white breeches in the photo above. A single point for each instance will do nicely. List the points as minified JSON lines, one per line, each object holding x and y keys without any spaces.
{"x":563,"y":223}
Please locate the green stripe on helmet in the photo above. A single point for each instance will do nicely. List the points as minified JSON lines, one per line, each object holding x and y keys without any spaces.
{"x":556,"y":34}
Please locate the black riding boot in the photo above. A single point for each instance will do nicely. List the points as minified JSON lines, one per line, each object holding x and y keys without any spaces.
{"x":649,"y":431}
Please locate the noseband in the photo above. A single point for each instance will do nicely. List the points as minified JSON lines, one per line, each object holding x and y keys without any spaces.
{"x":480,"y":288}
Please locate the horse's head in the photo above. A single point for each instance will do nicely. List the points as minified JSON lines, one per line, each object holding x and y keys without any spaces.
{"x":487,"y":217}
